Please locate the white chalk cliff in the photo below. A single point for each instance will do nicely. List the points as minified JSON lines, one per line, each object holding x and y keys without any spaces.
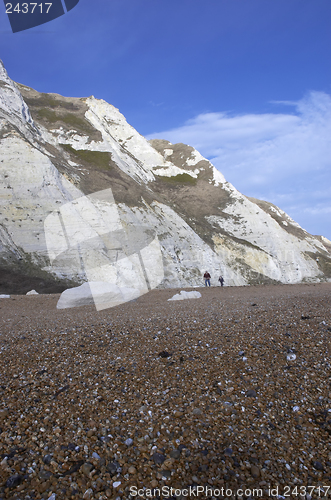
{"x":55,"y":150}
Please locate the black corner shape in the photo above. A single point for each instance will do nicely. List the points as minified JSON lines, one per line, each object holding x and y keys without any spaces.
{"x":70,"y":4}
{"x":24,"y":15}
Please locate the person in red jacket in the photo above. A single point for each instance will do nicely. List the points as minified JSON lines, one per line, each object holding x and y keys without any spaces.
{"x":207,"y":278}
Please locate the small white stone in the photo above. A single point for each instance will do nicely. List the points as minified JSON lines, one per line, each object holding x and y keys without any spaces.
{"x":88,"y":493}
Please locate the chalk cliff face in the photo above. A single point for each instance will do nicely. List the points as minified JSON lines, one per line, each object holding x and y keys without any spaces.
{"x":55,"y":150}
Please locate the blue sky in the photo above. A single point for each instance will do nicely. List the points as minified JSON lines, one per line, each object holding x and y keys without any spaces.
{"x":247,"y":82}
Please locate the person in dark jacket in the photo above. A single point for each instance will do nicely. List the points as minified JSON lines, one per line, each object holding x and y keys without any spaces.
{"x":221,"y":280}
{"x":207,"y":278}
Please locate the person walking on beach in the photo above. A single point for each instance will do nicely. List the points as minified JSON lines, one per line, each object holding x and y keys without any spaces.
{"x":207,"y":278}
{"x":221,"y":280}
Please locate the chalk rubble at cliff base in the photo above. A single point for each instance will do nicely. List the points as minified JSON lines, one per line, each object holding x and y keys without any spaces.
{"x":183,"y":295}
{"x":155,"y":393}
{"x":104,"y":295}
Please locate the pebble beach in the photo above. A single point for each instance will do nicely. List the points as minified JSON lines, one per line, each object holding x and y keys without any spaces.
{"x":224,"y":396}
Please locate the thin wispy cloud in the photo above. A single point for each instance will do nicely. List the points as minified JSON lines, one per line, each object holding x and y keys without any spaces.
{"x":282,"y":157}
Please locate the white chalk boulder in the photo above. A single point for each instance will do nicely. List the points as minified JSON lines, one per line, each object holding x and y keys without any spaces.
{"x":100,"y":293}
{"x":3,"y":296}
{"x":186,"y":295}
{"x":32,"y":292}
